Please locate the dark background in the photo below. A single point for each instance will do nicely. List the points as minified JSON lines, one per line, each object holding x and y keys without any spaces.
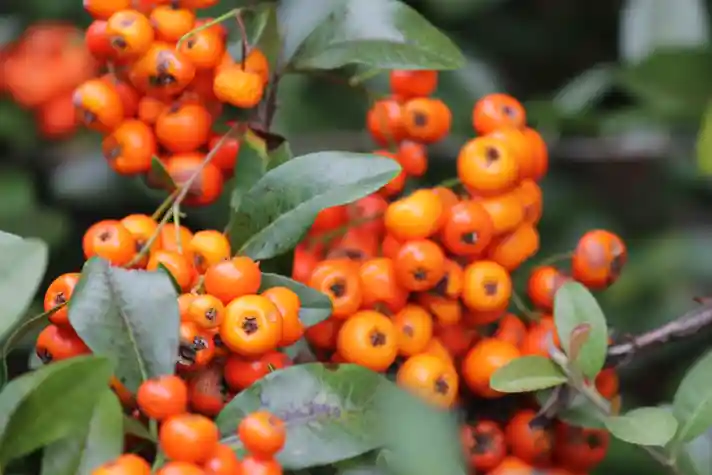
{"x":618,"y":88}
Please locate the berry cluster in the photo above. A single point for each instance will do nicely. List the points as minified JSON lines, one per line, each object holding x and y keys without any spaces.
{"x":191,"y":442}
{"x":40,"y":70}
{"x":170,"y":76}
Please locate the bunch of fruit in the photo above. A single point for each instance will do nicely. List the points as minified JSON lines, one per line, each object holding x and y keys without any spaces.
{"x":40,"y":70}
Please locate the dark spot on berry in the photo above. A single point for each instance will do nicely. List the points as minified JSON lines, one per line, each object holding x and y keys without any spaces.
{"x":105,"y":235}
{"x":198,"y":261}
{"x":509,"y":111}
{"x":377,"y":338}
{"x":408,"y":331}
{"x":490,"y":288}
{"x":420,"y":119}
{"x":470,"y":237}
{"x":593,"y":440}
{"x":186,"y":355}
{"x":338,"y":289}
{"x":250,"y":325}
{"x":491,"y":155}
{"x":211,"y":314}
{"x":44,"y":355}
{"x":118,"y":42}
{"x":441,"y":386}
{"x":199,"y":343}
{"x":420,"y":274}
{"x":60,"y":298}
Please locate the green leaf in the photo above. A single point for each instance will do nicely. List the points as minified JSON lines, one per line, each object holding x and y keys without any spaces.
{"x":17,"y":192}
{"x":130,"y":316}
{"x":316,"y":306}
{"x":696,"y":456}
{"x":251,"y":165}
{"x":704,"y":143}
{"x":692,"y":404}
{"x":101,"y":441}
{"x":45,"y":405}
{"x":329,"y":412}
{"x":644,"y":426}
{"x":260,"y":29}
{"x":136,"y":428}
{"x":582,"y":92}
{"x":275,"y":213}
{"x":385,"y":34}
{"x":419,"y":439}
{"x":646,"y":25}
{"x":573,"y":306}
{"x":280,"y":155}
{"x":158,"y":176}
{"x":22,"y":266}
{"x":174,"y":282}
{"x":15,"y":335}
{"x":672,"y":82}
{"x":525,"y":374}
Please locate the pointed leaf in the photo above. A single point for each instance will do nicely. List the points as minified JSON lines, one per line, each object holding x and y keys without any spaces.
{"x":158,"y":176}
{"x":316,"y":306}
{"x":35,"y":410}
{"x":101,"y":440}
{"x":275,"y":213}
{"x":582,"y":92}
{"x":654,"y":426}
{"x":528,"y":373}
{"x":136,"y":428}
{"x":22,"y":266}
{"x":130,"y":316}
{"x":251,"y":165}
{"x":330,"y":412}
{"x":692,"y":404}
{"x":384,"y":34}
{"x":573,"y":306}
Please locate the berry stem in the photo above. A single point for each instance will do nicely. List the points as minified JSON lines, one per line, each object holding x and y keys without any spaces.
{"x":244,"y":42}
{"x":556,"y":258}
{"x":522,"y":308}
{"x":224,"y":17}
{"x":364,"y":76}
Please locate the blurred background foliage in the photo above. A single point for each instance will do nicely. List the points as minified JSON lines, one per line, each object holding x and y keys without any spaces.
{"x":619,"y":88}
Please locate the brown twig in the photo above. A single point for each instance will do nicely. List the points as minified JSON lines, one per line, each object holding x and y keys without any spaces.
{"x":682,"y":327}
{"x":244,"y":41}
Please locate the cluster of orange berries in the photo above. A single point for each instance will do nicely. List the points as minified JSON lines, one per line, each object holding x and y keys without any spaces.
{"x":191,"y":441}
{"x":422,"y":283}
{"x":40,"y":70}
{"x":170,"y":76}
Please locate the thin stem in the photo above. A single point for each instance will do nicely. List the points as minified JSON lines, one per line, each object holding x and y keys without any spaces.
{"x":522,"y":307}
{"x":224,"y":17}
{"x":556,"y":258}
{"x":449,"y":183}
{"x":176,"y":226}
{"x":364,"y":76}
{"x":244,"y":42}
{"x":163,"y":207}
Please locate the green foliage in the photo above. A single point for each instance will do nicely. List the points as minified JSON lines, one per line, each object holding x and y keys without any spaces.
{"x":528,"y":373}
{"x":650,"y":426}
{"x":158,"y":175}
{"x":375,"y":33}
{"x":315,"y":306}
{"x":574,"y":306}
{"x":275,"y":213}
{"x":330,"y":412}
{"x":692,"y":405}
{"x":35,"y":409}
{"x":130,"y":316}
{"x":101,"y":440}
{"x":22,"y":265}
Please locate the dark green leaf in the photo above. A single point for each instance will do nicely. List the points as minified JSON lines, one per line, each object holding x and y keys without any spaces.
{"x":646,"y":25}
{"x":672,"y":82}
{"x":644,"y":426}
{"x":45,"y":405}
{"x":168,"y":273}
{"x":280,"y":155}
{"x":329,"y":411}
{"x":276,"y":212}
{"x":385,"y":34}
{"x":130,"y":316}
{"x":574,"y":306}
{"x":692,"y":404}
{"x":419,"y":439}
{"x":22,"y":266}
{"x":316,"y":306}
{"x":136,"y":428}
{"x":261,"y":31}
{"x":101,"y":441}
{"x":528,"y":373}
{"x":296,"y":20}
{"x":704,"y":143}
{"x":17,"y":193}
{"x":158,"y":176}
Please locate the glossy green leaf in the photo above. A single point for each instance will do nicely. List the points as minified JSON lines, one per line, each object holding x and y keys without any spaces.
{"x":101,"y":440}
{"x":275,"y":213}
{"x":692,"y":404}
{"x":419,"y":438}
{"x":582,"y":92}
{"x":136,"y":428}
{"x":22,"y":266}
{"x":316,"y":306}
{"x":13,"y":338}
{"x":653,"y":426}
{"x":574,"y":305}
{"x":35,"y":409}
{"x":130,"y":316}
{"x":384,"y":34}
{"x":252,"y":162}
{"x":525,"y":374}
{"x":329,"y":411}
{"x":646,"y":25}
